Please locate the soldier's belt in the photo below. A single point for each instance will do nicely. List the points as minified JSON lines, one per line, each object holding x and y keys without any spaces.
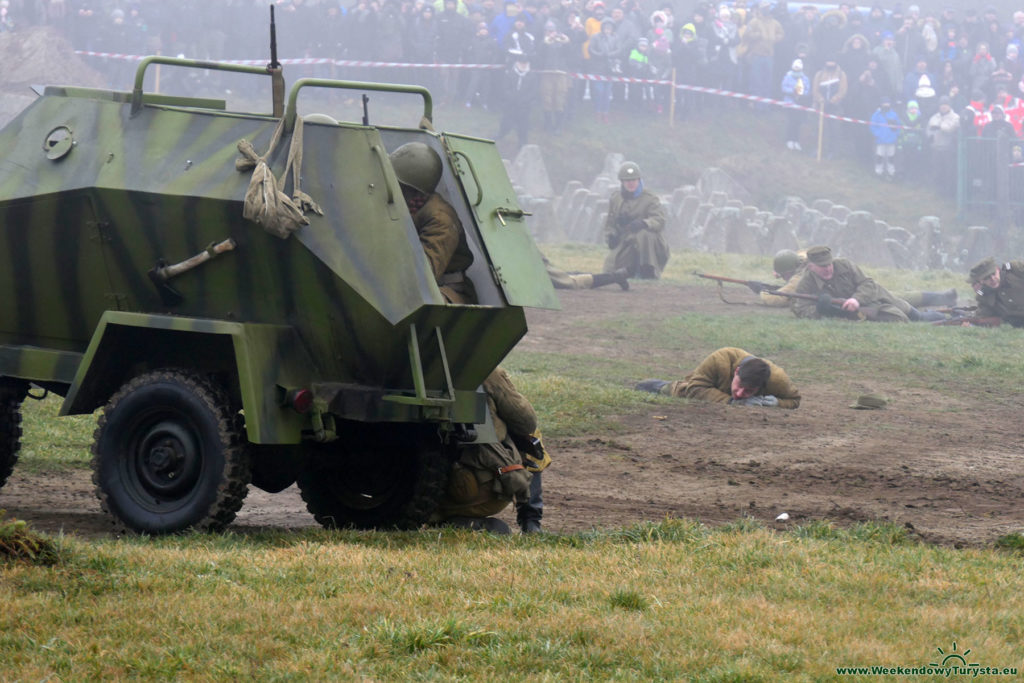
{"x":451,"y":278}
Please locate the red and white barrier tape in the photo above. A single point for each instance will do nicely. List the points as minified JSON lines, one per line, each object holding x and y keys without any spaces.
{"x":579,"y":76}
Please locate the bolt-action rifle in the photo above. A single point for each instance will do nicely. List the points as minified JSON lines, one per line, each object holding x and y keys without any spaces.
{"x":970,"y":321}
{"x":755,"y":286}
{"x":863,"y":313}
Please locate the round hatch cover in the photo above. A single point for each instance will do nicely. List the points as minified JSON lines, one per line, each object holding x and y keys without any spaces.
{"x":58,"y":142}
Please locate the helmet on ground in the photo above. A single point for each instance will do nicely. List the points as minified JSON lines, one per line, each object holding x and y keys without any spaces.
{"x":417,"y":166}
{"x":786,"y":261}
{"x":629,"y":171}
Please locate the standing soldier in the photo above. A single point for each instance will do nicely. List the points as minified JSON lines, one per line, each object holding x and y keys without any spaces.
{"x":633,"y":229}
{"x":999,"y":290}
{"x":554,"y":51}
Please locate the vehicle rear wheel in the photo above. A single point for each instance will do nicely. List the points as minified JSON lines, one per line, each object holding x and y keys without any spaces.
{"x":381,"y":476}
{"x":169,"y":455}
{"x":10,"y":428}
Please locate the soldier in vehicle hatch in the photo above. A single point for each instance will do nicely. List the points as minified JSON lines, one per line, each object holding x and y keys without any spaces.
{"x":418,"y":168}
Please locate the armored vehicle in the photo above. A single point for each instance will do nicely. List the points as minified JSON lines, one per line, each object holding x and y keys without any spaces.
{"x":226,"y":350}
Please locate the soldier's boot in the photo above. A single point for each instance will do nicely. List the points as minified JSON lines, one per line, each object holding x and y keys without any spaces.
{"x":653,"y":386}
{"x":530,"y":526}
{"x":947,"y":298}
{"x":620,"y":277}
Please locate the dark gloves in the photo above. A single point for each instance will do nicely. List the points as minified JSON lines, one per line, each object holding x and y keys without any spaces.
{"x":613,"y":240}
{"x":636,"y":225}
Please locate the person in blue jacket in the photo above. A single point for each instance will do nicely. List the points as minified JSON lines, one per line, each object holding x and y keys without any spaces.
{"x":885,"y":127}
{"x":796,"y":89}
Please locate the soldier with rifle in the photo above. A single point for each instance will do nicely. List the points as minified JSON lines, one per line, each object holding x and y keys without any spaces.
{"x":859,"y":297}
{"x":999,"y":291}
{"x":633,"y":229}
{"x":789,"y":266}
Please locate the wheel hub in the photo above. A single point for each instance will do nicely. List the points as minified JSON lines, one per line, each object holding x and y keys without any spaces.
{"x":168,"y":460}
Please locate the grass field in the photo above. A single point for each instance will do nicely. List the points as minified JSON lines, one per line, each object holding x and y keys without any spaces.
{"x":673,"y":600}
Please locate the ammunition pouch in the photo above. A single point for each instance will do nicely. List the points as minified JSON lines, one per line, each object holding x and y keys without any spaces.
{"x":485,"y":480}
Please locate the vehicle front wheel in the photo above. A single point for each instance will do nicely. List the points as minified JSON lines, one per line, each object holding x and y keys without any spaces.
{"x":169,"y":455}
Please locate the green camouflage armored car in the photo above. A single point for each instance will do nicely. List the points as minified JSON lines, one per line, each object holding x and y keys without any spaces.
{"x":226,"y":350}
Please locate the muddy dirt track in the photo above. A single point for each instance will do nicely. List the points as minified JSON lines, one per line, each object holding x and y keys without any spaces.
{"x":958,"y":482}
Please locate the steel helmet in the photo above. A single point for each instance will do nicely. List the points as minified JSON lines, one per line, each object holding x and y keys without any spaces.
{"x":786,"y":261}
{"x":320,"y":118}
{"x":629,"y":171}
{"x":417,"y":166}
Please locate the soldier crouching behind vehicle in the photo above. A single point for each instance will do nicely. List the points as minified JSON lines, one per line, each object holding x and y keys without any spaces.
{"x":731,"y":375}
{"x":418,"y":169}
{"x":487,"y":477}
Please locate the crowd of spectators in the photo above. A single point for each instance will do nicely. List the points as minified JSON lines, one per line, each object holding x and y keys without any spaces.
{"x":840,"y":58}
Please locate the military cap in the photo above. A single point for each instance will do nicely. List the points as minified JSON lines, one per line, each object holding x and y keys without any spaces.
{"x":629,"y":171}
{"x":983,"y":270}
{"x":820,"y":255}
{"x":870,"y":402}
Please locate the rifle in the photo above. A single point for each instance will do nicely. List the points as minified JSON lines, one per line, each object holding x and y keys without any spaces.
{"x":864,"y":312}
{"x":968,"y":321}
{"x":956,"y":311}
{"x":755,"y":286}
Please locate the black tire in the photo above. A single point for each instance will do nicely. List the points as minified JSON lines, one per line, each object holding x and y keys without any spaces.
{"x":378,"y":477}
{"x":169,"y":455}
{"x":10,"y":429}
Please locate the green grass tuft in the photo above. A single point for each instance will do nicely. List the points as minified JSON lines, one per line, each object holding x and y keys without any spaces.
{"x":1013,"y":542}
{"x":18,"y":542}
{"x":625,"y":598}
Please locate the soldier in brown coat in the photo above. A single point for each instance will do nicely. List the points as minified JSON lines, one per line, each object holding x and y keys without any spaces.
{"x":790,"y":265}
{"x":999,"y":290}
{"x":418,"y":169}
{"x":487,"y":477}
{"x":634,"y":227}
{"x":863,"y":298}
{"x":732,"y":375}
